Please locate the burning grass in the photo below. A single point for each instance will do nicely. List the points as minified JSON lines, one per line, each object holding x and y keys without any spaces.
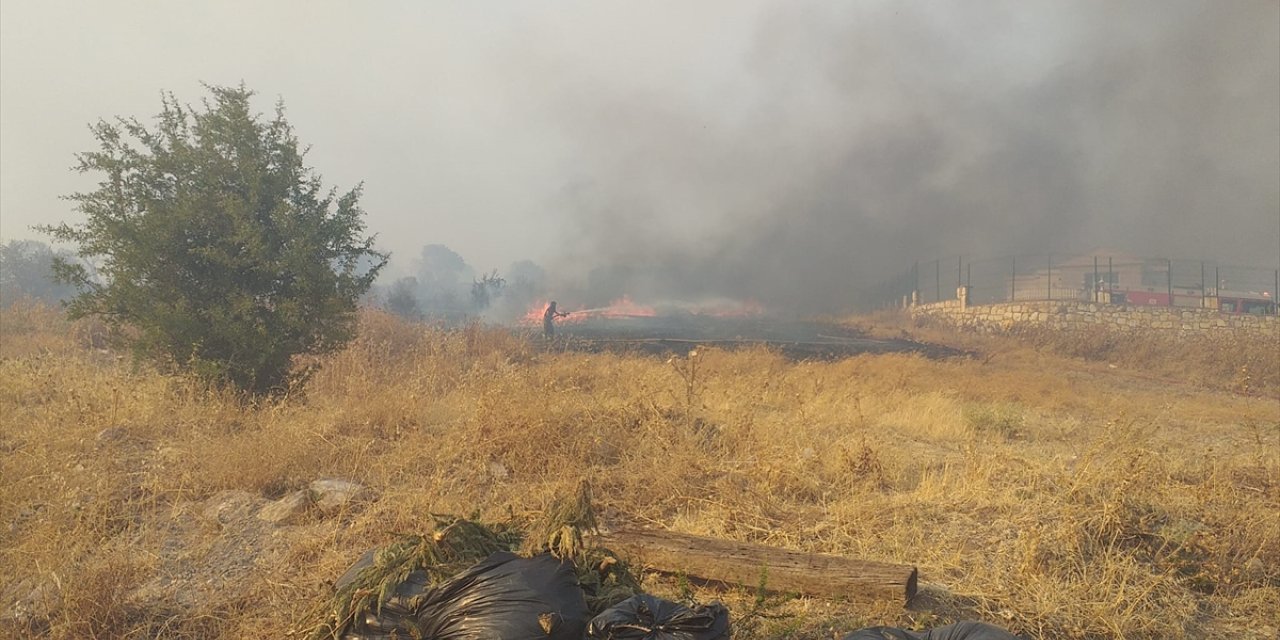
{"x":1055,"y":495}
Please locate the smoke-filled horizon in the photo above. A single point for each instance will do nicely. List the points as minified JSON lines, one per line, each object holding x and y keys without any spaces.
{"x":783,"y":152}
{"x":877,"y":137}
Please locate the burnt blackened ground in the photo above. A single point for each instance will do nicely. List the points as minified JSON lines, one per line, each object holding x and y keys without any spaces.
{"x":678,"y":334}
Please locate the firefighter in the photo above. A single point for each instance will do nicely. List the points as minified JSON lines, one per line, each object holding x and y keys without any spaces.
{"x":549,"y":320}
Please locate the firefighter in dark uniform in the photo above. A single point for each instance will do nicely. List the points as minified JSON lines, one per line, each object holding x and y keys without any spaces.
{"x":549,"y":320}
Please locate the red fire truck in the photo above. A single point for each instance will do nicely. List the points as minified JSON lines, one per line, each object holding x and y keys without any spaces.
{"x":1262,"y":304}
{"x":1251,"y":302}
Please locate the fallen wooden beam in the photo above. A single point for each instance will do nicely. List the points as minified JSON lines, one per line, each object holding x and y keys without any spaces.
{"x":741,"y":563}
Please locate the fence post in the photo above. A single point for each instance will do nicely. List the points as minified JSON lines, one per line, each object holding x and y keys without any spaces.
{"x":1111,"y":278}
{"x":1013,"y":280}
{"x":1094,"y":284}
{"x":1048,"y":278}
{"x":1168,"y":265}
{"x":1202,"y":284}
{"x":1215,"y":301}
{"x":966,"y":287}
{"x":915,"y":283}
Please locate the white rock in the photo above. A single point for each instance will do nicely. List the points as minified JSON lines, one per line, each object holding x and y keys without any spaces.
{"x":226,"y":507}
{"x":331,"y":495}
{"x":287,"y":510}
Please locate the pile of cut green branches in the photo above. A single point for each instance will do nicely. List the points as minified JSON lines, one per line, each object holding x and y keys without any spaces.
{"x":455,"y":544}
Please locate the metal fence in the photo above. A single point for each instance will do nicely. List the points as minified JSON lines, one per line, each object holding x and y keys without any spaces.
{"x":1109,"y":279}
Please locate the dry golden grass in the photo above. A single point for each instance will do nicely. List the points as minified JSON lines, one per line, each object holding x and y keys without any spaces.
{"x":1057,"y":496}
{"x":1223,"y":360}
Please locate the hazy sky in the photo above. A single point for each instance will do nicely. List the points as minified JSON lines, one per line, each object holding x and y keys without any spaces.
{"x":720,"y":147}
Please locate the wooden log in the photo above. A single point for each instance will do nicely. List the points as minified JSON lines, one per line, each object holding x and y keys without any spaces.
{"x":741,"y":563}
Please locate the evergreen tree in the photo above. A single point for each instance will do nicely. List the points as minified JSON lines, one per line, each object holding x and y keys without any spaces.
{"x":217,"y":245}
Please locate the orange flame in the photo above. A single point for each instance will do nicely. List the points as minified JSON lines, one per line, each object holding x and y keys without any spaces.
{"x":625,"y":307}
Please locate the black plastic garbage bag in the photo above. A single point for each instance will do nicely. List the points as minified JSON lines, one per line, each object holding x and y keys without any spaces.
{"x":505,"y":597}
{"x":958,"y":631}
{"x":645,"y":617}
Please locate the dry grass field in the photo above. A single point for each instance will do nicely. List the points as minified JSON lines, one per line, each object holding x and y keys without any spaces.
{"x":1060,"y":489}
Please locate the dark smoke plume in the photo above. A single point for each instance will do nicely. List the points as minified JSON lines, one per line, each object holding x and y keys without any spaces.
{"x":850,"y":140}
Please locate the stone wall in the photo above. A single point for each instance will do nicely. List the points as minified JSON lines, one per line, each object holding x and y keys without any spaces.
{"x":1069,"y":315}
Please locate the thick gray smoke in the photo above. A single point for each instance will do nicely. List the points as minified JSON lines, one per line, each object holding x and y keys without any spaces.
{"x":848,"y":140}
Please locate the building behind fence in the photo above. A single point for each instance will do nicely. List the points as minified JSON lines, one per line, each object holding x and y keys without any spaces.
{"x":1100,"y":277}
